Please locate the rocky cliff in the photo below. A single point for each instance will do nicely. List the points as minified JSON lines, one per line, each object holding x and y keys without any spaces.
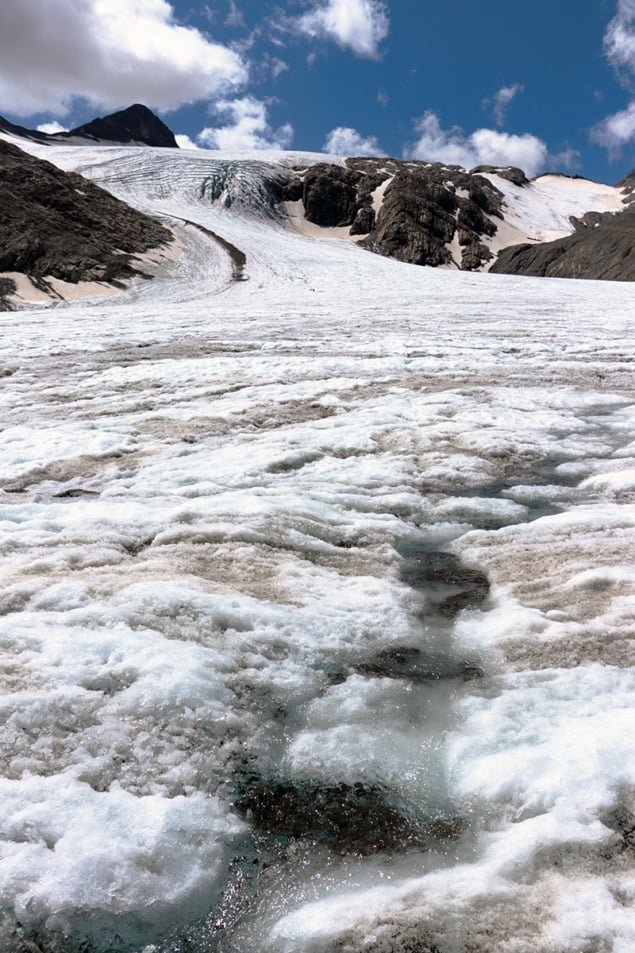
{"x":418,"y":212}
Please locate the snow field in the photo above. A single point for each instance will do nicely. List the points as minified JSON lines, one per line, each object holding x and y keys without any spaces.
{"x":205,"y":488}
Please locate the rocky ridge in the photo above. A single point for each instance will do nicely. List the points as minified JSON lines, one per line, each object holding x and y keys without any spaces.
{"x":56,"y":224}
{"x":136,"y":125}
{"x":602,"y":247}
{"x":417,"y":212}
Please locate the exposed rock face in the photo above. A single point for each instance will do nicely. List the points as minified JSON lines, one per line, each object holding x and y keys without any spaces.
{"x":330,"y":195}
{"x":135,"y":124}
{"x":60,"y":224}
{"x":425,"y":206}
{"x":430,"y":214}
{"x":628,"y":187}
{"x":602,"y":247}
{"x":7,"y":288}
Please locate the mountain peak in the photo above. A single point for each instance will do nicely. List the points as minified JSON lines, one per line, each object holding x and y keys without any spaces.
{"x":137,"y":123}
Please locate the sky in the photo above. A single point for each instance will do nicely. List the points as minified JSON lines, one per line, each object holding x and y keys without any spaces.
{"x":548,"y":85}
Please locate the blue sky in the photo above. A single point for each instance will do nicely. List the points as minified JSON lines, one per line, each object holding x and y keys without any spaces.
{"x":546,"y":85}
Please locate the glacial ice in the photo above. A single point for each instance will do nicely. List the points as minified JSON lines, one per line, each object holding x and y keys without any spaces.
{"x":209,"y":494}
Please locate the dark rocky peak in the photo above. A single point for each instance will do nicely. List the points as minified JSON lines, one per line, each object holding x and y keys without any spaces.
{"x":135,"y":124}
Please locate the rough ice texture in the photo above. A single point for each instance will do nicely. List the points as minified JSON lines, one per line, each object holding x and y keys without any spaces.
{"x":348,"y":532}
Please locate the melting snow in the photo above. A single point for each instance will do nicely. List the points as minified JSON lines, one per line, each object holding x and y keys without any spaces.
{"x":230,"y":520}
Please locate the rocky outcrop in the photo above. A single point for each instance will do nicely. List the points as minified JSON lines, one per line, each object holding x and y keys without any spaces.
{"x":602,"y":247}
{"x":424,"y":208}
{"x":431,"y":214}
{"x":8,"y":288}
{"x":628,"y":187}
{"x":58,"y":224}
{"x":330,"y":195}
{"x":136,"y":124}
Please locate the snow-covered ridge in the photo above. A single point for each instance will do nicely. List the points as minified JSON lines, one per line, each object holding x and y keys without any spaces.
{"x":542,"y":210}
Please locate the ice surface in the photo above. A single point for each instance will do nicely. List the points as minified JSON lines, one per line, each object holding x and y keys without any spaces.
{"x":346,"y":536}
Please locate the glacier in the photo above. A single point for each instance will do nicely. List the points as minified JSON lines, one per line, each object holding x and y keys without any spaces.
{"x":317,"y":597}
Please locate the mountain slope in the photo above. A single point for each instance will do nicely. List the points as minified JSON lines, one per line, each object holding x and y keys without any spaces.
{"x":430,"y":214}
{"x":56,"y":224}
{"x":602,"y":247}
{"x":413,"y":211}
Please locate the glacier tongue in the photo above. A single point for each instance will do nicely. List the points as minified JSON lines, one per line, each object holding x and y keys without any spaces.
{"x":317,"y":594}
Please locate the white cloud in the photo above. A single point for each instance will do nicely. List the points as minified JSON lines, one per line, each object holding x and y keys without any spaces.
{"x":344,"y":141}
{"x":619,"y":44}
{"x":483,"y":147}
{"x":184,"y":142}
{"x":502,"y":99}
{"x":51,"y":128}
{"x":110,"y":52}
{"x":359,"y":25}
{"x":619,"y":40}
{"x":617,"y":130}
{"x":248,"y":128}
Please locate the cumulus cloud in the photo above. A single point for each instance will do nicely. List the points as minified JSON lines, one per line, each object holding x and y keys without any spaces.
{"x":51,"y":128}
{"x":502,"y":99}
{"x":184,"y":142}
{"x":483,"y":147}
{"x":359,"y":25}
{"x":344,"y":141}
{"x":617,"y":130}
{"x":109,"y":52}
{"x":248,"y":128}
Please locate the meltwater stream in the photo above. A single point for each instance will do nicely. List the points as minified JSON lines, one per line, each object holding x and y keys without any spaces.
{"x":314,"y":836}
